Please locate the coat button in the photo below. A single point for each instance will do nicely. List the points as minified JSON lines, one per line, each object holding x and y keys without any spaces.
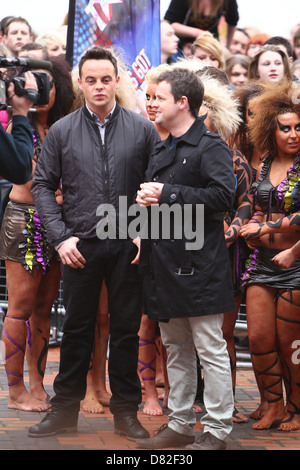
{"x":172,"y":174}
{"x":173,"y":196}
{"x":156,"y":178}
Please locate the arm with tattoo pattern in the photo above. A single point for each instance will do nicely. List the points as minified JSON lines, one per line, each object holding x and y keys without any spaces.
{"x":243,"y":212}
{"x":287,"y":224}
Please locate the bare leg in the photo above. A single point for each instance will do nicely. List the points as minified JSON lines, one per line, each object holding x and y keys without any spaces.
{"x":40,"y":323}
{"x":90,"y":403}
{"x":147,"y":357}
{"x":101,"y":345}
{"x":22,"y":288}
{"x":288,"y":331}
{"x":228,"y":333}
{"x":261,"y":314}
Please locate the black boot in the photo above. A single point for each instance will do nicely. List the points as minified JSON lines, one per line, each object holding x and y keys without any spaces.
{"x":130,"y":427}
{"x":57,"y":421}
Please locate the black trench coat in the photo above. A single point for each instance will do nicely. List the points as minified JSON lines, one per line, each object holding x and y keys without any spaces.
{"x":180,"y":283}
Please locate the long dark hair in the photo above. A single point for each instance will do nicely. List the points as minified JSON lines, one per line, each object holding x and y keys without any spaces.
{"x":61,"y":72}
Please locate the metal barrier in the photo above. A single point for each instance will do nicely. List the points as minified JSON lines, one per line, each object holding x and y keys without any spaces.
{"x":243,"y":358}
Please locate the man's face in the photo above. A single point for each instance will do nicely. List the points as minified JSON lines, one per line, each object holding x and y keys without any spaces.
{"x":297,"y":48}
{"x":17,"y":35}
{"x":99,"y":83}
{"x":167,"y":109}
{"x":169,"y":40}
{"x":239,"y":43}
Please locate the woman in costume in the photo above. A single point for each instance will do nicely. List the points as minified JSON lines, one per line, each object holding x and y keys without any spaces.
{"x":246,"y":96}
{"x":273,"y":293}
{"x":32,"y":265}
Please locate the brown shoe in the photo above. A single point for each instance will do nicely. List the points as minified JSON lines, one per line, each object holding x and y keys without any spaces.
{"x":165,"y":437}
{"x":207,"y":441}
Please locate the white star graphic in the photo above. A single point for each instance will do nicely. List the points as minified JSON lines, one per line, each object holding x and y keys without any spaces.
{"x":101,"y":11}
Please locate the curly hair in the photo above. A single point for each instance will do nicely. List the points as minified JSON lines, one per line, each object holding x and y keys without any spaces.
{"x":276,"y":99}
{"x":244,"y":95}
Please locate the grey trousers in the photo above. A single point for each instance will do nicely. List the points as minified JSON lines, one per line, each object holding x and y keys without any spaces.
{"x":204,"y":334}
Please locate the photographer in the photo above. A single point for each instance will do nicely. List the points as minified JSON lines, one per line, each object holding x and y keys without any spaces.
{"x":16,"y":150}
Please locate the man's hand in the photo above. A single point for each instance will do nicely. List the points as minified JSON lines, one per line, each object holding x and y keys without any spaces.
{"x":70,"y":255}
{"x":20,"y":104}
{"x":149,"y":194}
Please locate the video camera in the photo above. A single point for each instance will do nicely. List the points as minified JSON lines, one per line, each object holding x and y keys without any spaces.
{"x":20,"y":66}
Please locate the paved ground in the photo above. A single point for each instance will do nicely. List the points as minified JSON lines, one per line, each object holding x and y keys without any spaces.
{"x":95,"y":432}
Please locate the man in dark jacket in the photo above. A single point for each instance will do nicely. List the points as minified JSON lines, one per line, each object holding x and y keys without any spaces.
{"x":188,"y":281}
{"x":100,"y":153}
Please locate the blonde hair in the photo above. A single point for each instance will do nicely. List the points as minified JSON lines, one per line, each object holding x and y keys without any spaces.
{"x":210,"y":45}
{"x":153,"y":73}
{"x":225,"y":116}
{"x":51,"y":36}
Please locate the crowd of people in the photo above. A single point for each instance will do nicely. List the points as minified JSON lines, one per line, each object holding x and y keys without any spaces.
{"x":221,"y":130}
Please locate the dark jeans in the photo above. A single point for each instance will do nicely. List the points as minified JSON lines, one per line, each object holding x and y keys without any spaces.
{"x":109,"y":260}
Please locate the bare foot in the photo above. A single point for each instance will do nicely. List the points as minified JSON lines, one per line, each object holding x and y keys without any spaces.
{"x":103,"y":397}
{"x":40,"y":394}
{"x":152,"y":407}
{"x":239,"y":417}
{"x":291,"y":422}
{"x":26,"y":402}
{"x":90,"y":404}
{"x":260,"y":411}
{"x":272,"y":417}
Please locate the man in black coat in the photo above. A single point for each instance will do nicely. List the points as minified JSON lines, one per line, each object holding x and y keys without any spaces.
{"x":188,"y":277}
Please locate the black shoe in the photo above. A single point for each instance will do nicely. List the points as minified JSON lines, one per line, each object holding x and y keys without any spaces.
{"x":130,"y":427}
{"x":165,"y":437}
{"x":53,"y":423}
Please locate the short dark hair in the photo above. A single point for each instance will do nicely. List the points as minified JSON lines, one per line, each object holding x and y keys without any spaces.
{"x":98,"y":53}
{"x":280,"y":41}
{"x":17,"y":19}
{"x":35,"y":46}
{"x":184,"y":83}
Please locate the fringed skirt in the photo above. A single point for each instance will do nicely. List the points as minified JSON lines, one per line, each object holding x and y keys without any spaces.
{"x":23,"y":238}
